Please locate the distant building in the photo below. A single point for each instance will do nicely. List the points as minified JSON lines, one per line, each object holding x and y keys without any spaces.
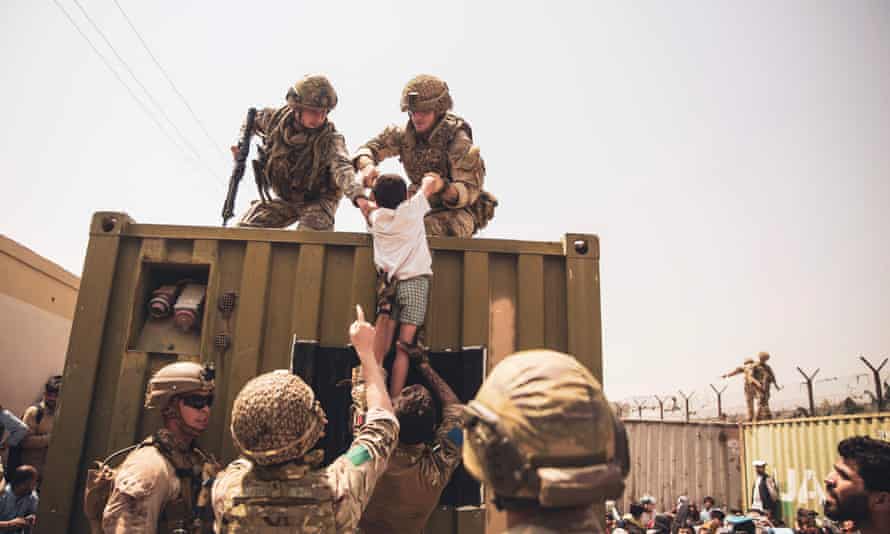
{"x":37,"y":302}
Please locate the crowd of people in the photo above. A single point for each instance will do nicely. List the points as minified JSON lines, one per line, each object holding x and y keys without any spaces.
{"x":23,"y":443}
{"x":857,"y":502}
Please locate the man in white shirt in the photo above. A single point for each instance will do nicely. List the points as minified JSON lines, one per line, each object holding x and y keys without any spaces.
{"x":404,"y":265}
{"x":765,"y":493}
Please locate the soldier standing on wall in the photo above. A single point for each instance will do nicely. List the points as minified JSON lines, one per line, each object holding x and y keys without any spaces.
{"x":160,"y":486}
{"x":764,"y":374}
{"x":303,"y":160}
{"x":439,"y":143}
{"x":277,"y":484}
{"x":542,"y":437}
{"x":752,"y":385}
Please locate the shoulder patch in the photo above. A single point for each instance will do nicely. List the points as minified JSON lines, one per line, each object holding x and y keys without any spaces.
{"x":358,"y":455}
{"x":456,"y":436}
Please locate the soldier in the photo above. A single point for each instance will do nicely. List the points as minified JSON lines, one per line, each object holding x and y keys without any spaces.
{"x":752,"y":385}
{"x":303,"y":160}
{"x":160,"y":486}
{"x":439,"y":143}
{"x":541,"y":435}
{"x":277,"y":484}
{"x":40,"y":419}
{"x":763,"y":373}
{"x":424,"y":460}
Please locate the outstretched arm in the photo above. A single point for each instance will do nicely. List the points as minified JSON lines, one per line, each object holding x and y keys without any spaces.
{"x":438,"y":385}
{"x":361,"y":333}
{"x":736,"y":371}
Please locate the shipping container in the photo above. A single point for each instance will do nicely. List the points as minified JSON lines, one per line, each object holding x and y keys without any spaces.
{"x":280,"y":298}
{"x":36,"y":308}
{"x":800,"y":453}
{"x":674,"y":458}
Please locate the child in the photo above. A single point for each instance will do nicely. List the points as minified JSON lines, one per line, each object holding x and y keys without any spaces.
{"x":404,"y":263}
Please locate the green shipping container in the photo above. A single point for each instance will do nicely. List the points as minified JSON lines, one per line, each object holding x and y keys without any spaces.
{"x":280,"y":298}
{"x":800,"y":453}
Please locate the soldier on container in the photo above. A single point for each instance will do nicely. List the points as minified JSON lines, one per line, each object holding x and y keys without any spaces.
{"x":424,"y":460}
{"x":541,"y":435}
{"x":439,"y":143}
{"x":303,"y":160}
{"x":764,"y":374}
{"x":277,"y":484}
{"x":858,"y":488}
{"x":752,"y":385}
{"x":160,"y":486}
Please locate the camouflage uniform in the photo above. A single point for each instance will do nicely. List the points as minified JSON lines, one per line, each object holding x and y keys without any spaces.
{"x":147,"y":488}
{"x":277,"y":484}
{"x":159,"y":487}
{"x":447,"y":149}
{"x":764,"y":375}
{"x":753,"y":389}
{"x":541,"y":435}
{"x":408,"y":491}
{"x":309,"y":170}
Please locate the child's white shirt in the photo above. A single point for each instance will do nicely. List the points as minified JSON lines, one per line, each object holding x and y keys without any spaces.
{"x":400,"y":245}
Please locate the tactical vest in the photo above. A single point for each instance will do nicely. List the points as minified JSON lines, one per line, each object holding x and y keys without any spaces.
{"x":290,"y":156}
{"x":420,"y":155}
{"x":289,"y":498}
{"x":188,"y":513}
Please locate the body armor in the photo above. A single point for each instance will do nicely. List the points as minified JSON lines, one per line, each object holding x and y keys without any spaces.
{"x":295,"y":161}
{"x":422,"y":154}
{"x":288,"y":498}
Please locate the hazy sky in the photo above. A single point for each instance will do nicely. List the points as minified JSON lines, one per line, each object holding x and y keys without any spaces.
{"x":734,"y":158}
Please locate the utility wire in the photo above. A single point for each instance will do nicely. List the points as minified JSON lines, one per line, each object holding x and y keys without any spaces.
{"x":117,"y":75}
{"x":148,"y":94}
{"x":172,"y":85}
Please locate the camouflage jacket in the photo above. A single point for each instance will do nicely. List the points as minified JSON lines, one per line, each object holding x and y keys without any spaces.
{"x":410,"y":488}
{"x":330,"y":499}
{"x":304,"y":165}
{"x":447,"y":150}
{"x":150,"y":491}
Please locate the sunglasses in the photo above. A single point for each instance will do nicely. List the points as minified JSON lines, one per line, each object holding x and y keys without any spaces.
{"x":198,"y":402}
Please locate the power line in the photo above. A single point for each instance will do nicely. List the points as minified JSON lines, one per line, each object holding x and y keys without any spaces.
{"x":148,"y":94}
{"x":170,"y":81}
{"x":117,"y":75}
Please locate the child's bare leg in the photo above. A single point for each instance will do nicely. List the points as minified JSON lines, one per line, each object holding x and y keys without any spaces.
{"x":386,"y":329}
{"x":407,"y":333}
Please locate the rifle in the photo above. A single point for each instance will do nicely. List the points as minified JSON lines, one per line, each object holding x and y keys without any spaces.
{"x":240,"y":164}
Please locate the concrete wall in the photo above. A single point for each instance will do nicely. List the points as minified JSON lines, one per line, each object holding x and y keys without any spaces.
{"x":37,"y":301}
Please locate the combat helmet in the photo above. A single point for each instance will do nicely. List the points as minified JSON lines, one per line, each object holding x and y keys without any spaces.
{"x":426,"y":93}
{"x":178,"y":378}
{"x":314,"y":92}
{"x":541,"y":432}
{"x":276,"y":419}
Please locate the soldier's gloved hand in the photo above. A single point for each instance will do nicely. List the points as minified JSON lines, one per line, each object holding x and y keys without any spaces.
{"x":368,"y":174}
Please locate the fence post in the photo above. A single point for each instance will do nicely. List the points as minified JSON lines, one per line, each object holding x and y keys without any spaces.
{"x":877,"y":374}
{"x":809,"y":383}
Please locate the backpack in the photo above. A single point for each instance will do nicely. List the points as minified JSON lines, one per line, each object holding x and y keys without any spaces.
{"x":99,"y":483}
